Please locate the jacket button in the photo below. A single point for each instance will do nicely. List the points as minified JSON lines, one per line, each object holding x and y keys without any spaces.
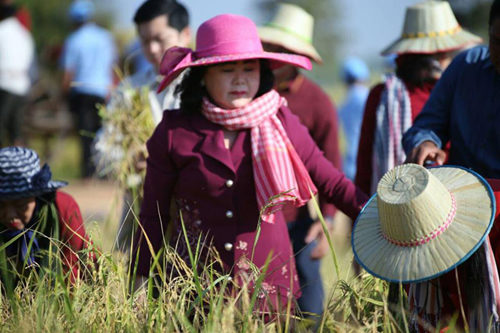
{"x":229,"y":183}
{"x":229,"y":214}
{"x":228,"y":246}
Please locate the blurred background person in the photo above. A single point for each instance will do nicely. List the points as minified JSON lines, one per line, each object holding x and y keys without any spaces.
{"x":161,"y":24}
{"x":135,"y":61}
{"x":16,"y":60}
{"x":291,"y":31}
{"x":355,"y":75}
{"x":87,"y":61}
{"x":423,"y":52}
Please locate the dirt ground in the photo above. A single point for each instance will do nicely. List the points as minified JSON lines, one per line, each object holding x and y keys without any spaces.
{"x":98,"y":200}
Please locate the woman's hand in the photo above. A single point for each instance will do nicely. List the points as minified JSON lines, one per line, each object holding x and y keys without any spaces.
{"x":316,"y":232}
{"x":426,"y":151}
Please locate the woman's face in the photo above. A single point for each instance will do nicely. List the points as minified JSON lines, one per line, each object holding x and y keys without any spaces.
{"x":15,"y":214}
{"x":233,"y":85}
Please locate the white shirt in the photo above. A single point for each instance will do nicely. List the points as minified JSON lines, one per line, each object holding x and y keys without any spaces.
{"x":16,"y":56}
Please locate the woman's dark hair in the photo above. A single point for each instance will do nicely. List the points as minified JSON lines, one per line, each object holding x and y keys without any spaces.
{"x":417,"y":69}
{"x":192,"y":91}
{"x":494,"y":12}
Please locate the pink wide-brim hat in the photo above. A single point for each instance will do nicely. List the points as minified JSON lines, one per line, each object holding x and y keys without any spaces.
{"x":223,"y":38}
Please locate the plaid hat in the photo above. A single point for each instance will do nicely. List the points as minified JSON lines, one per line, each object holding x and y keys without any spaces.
{"x":21,"y":175}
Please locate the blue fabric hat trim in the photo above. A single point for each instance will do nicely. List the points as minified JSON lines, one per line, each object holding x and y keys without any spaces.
{"x":467,"y":256}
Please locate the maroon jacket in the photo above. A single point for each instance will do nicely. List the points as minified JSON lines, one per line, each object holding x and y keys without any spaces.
{"x":317,"y":112}
{"x":214,"y":189}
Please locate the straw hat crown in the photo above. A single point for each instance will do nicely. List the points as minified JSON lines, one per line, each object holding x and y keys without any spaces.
{"x":292,"y":28}
{"x":431,"y":27}
{"x":429,"y":19}
{"x":414,"y":206}
{"x":422,"y":222}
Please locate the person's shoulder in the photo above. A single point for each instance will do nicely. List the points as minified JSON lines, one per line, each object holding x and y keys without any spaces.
{"x":314,"y":88}
{"x":65,"y":201}
{"x":177,"y":118}
{"x":62,"y":196}
{"x":376,"y":90}
{"x":286,"y":116}
{"x":474,"y":56}
{"x":93,"y":30}
{"x":13,"y":29}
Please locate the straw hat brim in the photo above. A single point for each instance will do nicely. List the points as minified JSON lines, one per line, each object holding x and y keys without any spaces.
{"x":51,"y":186}
{"x":289,"y":41}
{"x":276,"y":59}
{"x":472,"y":223}
{"x":430,"y":45}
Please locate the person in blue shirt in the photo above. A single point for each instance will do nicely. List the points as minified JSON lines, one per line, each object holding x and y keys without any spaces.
{"x":355,"y":73}
{"x":87,"y":61}
{"x":463,"y":109}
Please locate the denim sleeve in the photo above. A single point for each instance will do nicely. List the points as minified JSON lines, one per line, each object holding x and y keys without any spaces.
{"x":432,"y":124}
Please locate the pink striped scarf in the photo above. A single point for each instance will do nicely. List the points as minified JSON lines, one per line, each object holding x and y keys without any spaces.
{"x":280,"y":175}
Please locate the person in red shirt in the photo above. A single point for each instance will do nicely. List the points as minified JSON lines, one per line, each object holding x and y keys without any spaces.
{"x":392,"y":105}
{"x":291,"y":31}
{"x":34,"y":215}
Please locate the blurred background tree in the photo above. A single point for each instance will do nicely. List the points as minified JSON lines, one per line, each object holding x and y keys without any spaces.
{"x":50,"y":26}
{"x":327,"y":34}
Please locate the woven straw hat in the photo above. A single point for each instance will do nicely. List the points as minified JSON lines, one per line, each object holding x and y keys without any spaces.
{"x":431,"y":27}
{"x":292,"y":28}
{"x":422,"y":222}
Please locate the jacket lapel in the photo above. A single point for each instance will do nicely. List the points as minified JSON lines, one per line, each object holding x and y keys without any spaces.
{"x":212,"y":144}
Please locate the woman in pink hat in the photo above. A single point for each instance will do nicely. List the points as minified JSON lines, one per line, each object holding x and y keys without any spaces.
{"x":229,"y":158}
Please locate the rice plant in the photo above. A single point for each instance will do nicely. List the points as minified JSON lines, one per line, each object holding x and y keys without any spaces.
{"x":193,"y":297}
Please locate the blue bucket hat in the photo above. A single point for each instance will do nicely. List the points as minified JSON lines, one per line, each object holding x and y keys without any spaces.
{"x":355,"y":69}
{"x":21,"y":175}
{"x":81,"y":11}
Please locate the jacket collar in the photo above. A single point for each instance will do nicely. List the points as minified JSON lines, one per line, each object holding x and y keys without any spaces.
{"x":212,"y":143}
